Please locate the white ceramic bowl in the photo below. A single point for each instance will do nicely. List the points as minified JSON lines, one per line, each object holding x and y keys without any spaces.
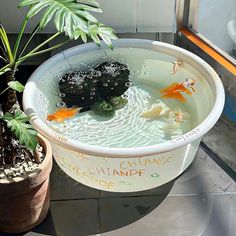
{"x":124,"y":169}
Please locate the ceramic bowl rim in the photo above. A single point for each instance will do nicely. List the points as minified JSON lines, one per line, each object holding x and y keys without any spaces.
{"x":169,"y":145}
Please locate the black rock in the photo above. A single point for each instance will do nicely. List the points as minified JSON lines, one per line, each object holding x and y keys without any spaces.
{"x":85,"y":88}
{"x":114,"y":79}
{"x":79,"y":89}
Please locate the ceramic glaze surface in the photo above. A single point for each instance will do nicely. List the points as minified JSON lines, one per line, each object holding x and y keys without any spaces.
{"x":127,"y":152}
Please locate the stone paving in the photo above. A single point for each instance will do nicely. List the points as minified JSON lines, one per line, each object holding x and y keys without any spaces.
{"x":202,"y":201}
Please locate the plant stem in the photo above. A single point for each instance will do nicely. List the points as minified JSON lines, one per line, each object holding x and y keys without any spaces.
{"x":42,"y":51}
{"x":28,"y":41}
{"x":4,"y":59}
{"x":11,"y":96}
{"x":22,"y":29}
{"x":20,"y":60}
{"x":3,"y":51}
{"x":6,"y":66}
{"x":44,"y":43}
{"x":4,"y":90}
{"x":1,"y":142}
{"x":6,"y":43}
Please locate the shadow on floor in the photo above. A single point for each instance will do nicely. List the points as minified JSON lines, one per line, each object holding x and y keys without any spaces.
{"x":93,"y":216}
{"x":79,"y":210}
{"x":118,"y":211}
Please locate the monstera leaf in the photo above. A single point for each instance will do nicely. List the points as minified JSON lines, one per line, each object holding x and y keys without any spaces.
{"x":71,"y":17}
{"x":24,"y":132}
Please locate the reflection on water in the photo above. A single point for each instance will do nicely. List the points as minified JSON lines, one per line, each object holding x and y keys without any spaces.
{"x":145,"y":118}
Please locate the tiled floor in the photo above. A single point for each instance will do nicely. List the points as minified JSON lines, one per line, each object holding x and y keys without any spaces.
{"x":202,"y":201}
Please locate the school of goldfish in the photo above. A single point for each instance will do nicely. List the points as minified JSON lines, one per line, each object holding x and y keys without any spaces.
{"x":173,"y":91}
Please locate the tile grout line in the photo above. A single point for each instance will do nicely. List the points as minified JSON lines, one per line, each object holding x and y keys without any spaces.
{"x":137,"y":15}
{"x":201,"y":194}
{"x":228,"y":170}
{"x":138,"y":196}
{"x":99,"y":213}
{"x":72,"y":199}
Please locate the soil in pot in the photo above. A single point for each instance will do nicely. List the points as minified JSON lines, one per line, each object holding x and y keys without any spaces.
{"x":24,"y":188}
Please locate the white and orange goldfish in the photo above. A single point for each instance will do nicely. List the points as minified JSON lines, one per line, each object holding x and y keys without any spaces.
{"x":178,"y":115}
{"x":175,"y":90}
{"x":62,"y":114}
{"x":176,"y":67}
{"x":153,"y":113}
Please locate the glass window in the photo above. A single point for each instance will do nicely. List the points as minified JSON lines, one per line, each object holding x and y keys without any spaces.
{"x":216,"y":20}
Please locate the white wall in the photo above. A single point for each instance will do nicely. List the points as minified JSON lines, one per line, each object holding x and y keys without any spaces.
{"x":122,"y":15}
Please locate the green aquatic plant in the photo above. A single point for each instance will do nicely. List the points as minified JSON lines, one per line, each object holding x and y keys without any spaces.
{"x":118,"y":102}
{"x":71,"y":18}
{"x":103,"y":108}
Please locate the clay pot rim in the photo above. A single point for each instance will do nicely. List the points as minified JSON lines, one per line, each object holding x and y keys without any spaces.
{"x":48,"y":150}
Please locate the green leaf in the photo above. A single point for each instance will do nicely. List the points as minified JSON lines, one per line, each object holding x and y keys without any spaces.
{"x":64,"y":13}
{"x":28,"y":2}
{"x":16,"y":85}
{"x":83,"y":37}
{"x":94,"y":37}
{"x":35,"y":9}
{"x":90,"y":8}
{"x":71,"y":17}
{"x":105,"y":33}
{"x":47,"y":16}
{"x":89,"y":2}
{"x":81,"y":34}
{"x":87,"y":16}
{"x":24,"y":132}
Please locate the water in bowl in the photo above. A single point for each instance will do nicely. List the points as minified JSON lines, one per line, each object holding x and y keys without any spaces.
{"x":129,"y":127}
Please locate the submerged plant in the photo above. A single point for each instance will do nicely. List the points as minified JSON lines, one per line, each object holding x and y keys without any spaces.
{"x":71,"y":18}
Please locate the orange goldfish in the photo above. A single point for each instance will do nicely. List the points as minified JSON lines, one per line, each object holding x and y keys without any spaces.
{"x":62,"y":114}
{"x":175,"y":90}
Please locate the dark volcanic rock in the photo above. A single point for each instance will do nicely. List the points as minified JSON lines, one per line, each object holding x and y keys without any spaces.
{"x":114,"y":80}
{"x":84,"y":89}
{"x":79,"y":89}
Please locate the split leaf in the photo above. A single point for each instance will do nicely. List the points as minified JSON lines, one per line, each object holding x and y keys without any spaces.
{"x":25,"y":132}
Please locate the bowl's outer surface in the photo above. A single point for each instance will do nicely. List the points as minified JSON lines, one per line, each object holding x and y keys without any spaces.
{"x":127,"y":169}
{"x":125,"y":174}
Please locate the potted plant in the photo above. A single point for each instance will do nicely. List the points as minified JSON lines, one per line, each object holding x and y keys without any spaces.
{"x":25,"y":156}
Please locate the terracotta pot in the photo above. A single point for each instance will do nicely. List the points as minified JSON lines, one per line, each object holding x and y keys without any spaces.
{"x":24,"y":201}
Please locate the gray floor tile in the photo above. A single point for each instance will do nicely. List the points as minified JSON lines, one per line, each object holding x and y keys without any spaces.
{"x":118,"y":212}
{"x":221,"y":139}
{"x":203,"y":176}
{"x":70,"y":218}
{"x":208,"y":215}
{"x":63,"y":187}
{"x":161,"y":190}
